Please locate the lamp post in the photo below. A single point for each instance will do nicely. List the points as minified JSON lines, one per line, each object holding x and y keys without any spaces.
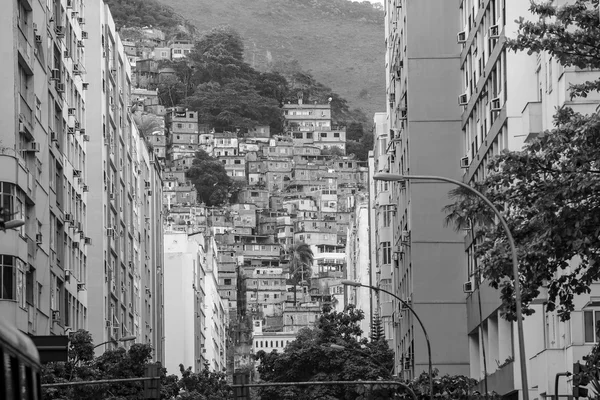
{"x":522,"y":359}
{"x":405,"y":304}
{"x":123,"y":339}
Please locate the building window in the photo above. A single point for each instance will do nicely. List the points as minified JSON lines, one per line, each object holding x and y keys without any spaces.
{"x":386,"y":252}
{"x":336,"y":134}
{"x":591,"y":318}
{"x":7,"y":277}
{"x":227,"y":282}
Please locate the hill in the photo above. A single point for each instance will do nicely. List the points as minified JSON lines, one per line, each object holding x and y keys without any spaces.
{"x":340,"y":42}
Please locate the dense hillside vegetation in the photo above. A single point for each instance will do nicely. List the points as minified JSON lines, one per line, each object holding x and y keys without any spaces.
{"x":338,"y":41}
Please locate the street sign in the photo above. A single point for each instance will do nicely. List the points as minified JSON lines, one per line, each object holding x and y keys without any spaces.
{"x":52,"y":348}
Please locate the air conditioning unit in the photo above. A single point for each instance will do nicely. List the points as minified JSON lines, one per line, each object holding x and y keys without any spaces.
{"x":494,"y":32}
{"x":82,"y":130}
{"x":108,"y":323}
{"x":60,"y":31}
{"x":81,"y":21}
{"x":111,"y":195}
{"x":464,"y":162}
{"x":55,"y":74}
{"x":33,"y":147}
{"x":495,"y":104}
{"x":76,"y":172}
{"x":463,"y":99}
{"x":38,"y":39}
{"x":80,"y":287}
{"x":461,"y":37}
{"x":110,"y":232}
{"x":468,"y":287}
{"x":80,"y":43}
{"x":69,"y":3}
{"x":86,"y":188}
{"x":67,"y":54}
{"x":85,"y":85}
{"x":84,"y":35}
{"x":75,"y":245}
{"x":38,"y":238}
{"x":87,"y":240}
{"x":86,"y":138}
{"x":70,"y":130}
{"x":60,"y":87}
{"x":71,"y":111}
{"x":149,"y":192}
{"x":55,"y":315}
{"x":405,"y":238}
{"x":77,"y":125}
{"x":76,"y":69}
{"x":403,"y":113}
{"x":68,"y":217}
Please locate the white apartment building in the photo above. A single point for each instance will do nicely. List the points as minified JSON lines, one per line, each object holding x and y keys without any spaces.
{"x":507,"y":98}
{"x":195,"y":317}
{"x":125,"y":288}
{"x":43,"y":263}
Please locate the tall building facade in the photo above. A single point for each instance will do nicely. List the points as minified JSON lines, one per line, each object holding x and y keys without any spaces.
{"x":125,"y":276}
{"x":42,"y":154}
{"x":417,"y":257}
{"x":508,"y":98}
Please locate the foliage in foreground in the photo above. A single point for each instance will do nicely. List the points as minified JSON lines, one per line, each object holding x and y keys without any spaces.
{"x":311,"y":358}
{"x":119,"y":364}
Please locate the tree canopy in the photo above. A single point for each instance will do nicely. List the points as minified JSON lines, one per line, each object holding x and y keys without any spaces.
{"x":118,"y":364}
{"x":312,"y":358}
{"x":213,"y":186}
{"x":548,"y":190}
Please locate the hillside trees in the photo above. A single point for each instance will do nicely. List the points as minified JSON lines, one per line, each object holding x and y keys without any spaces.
{"x":213,"y":186}
{"x":548,"y":191}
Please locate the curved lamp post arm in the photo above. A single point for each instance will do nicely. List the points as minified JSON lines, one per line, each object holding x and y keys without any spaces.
{"x":513,"y":250}
{"x":405,"y":304}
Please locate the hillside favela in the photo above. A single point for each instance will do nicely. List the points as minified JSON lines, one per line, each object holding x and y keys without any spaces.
{"x":300,"y":199}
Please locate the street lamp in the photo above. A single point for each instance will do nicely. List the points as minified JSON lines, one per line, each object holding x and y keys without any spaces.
{"x":123,"y":339}
{"x":405,"y":304}
{"x":522,"y":359}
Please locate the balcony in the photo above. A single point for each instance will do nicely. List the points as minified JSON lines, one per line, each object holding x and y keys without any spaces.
{"x":25,"y":53}
{"x":532,"y":119}
{"x":502,"y":381}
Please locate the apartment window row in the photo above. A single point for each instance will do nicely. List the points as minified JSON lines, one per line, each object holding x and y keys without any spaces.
{"x":271,"y":343}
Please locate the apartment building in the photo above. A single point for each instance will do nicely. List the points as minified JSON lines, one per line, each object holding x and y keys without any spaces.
{"x":416,"y":257}
{"x":508,"y":98}
{"x":185,"y":264}
{"x":42,"y":155}
{"x":125,"y":284}
{"x":183,"y":132}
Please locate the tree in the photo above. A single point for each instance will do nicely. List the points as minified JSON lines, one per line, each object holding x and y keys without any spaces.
{"x":113,"y":364}
{"x":548,"y":191}
{"x":310,"y":358}
{"x":455,"y":387}
{"x":301,"y":260}
{"x":354,"y":131}
{"x":361,"y":148}
{"x":213,"y":186}
{"x":203,"y":385}
{"x":148,"y":124}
